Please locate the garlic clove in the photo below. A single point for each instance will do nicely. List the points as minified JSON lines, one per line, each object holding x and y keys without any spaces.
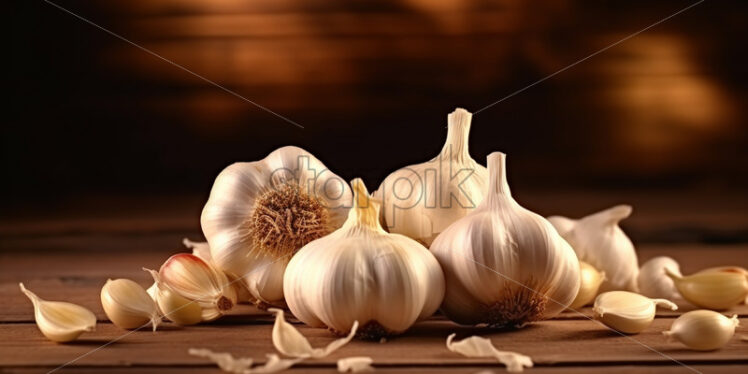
{"x":627,"y":312}
{"x":243,"y":365}
{"x":476,"y":346}
{"x":173,"y":306}
{"x":716,"y":290}
{"x":703,"y":330}
{"x":590,"y":281}
{"x":598,"y":240}
{"x":654,"y":282}
{"x":128,"y":305}
{"x":195,"y":279}
{"x":60,"y":321}
{"x":355,"y":364}
{"x":289,"y":341}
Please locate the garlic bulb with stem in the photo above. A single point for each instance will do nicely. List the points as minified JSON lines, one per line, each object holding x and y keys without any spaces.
{"x":172,"y":305}
{"x":60,"y":321}
{"x":195,"y":279}
{"x":589,"y":283}
{"x":703,"y":330}
{"x":716,"y":290}
{"x":362,"y":273}
{"x":504,"y":265}
{"x":598,"y":240}
{"x":260,"y":213}
{"x":128,"y":305}
{"x":654,"y":282}
{"x":627,"y":312}
{"x":420,"y":201}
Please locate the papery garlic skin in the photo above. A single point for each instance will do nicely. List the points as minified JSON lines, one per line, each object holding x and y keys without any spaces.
{"x":598,"y":240}
{"x":716,"y":290}
{"x":128,"y":305}
{"x":627,"y":312}
{"x":194,"y":279}
{"x":172,"y":305}
{"x":654,"y":282}
{"x":362,"y":273}
{"x":249,"y":201}
{"x":590,"y":281}
{"x":60,"y":321}
{"x":703,"y":330}
{"x":505,"y":265}
{"x":420,"y":201}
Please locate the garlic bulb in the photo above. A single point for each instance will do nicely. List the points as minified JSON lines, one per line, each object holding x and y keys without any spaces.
{"x":361,"y":272}
{"x":420,"y":201}
{"x":128,"y":305}
{"x":60,"y":321}
{"x":627,"y":312}
{"x":589,"y":283}
{"x":504,"y":265}
{"x":703,"y":330}
{"x":260,"y":213}
{"x":172,"y":305}
{"x":598,"y":240}
{"x":194,"y":279}
{"x":712,"y":289}
{"x":654,"y":282}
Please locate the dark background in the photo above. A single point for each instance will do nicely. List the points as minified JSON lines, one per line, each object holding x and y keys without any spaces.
{"x":93,"y":118}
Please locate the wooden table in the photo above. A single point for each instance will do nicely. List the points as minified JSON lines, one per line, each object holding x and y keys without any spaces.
{"x":70,"y":259}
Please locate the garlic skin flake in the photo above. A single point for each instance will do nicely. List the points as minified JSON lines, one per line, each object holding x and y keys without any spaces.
{"x":598,"y":240}
{"x":627,"y":312}
{"x":362,"y":273}
{"x":194,"y":279}
{"x":476,"y":346}
{"x":172,"y":305}
{"x":128,"y":305}
{"x":703,"y":330}
{"x":289,"y":341}
{"x":60,"y":321}
{"x":260,"y":213}
{"x":420,"y":201}
{"x":590,"y":281}
{"x":653,"y":281}
{"x":355,"y":364}
{"x":505,"y":265}
{"x":243,"y":365}
{"x":712,"y":289}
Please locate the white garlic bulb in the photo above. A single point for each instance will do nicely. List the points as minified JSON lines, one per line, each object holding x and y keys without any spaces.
{"x":654,"y":282}
{"x":362,"y":273}
{"x":713,"y":288}
{"x":172,"y":305}
{"x":627,"y":312}
{"x":260,"y":213}
{"x":703,"y":330}
{"x":589,"y":283}
{"x":504,"y":265}
{"x":196,"y":280}
{"x":598,"y":240}
{"x":420,"y":201}
{"x":60,"y":321}
{"x":128,"y":305}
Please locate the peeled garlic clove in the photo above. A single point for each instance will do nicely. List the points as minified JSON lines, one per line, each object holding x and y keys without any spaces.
{"x":590,"y":281}
{"x":627,"y":312}
{"x":173,"y":306}
{"x":355,"y":364}
{"x":60,"y":321}
{"x":712,"y":290}
{"x":420,"y":201}
{"x":654,"y":282}
{"x":703,"y":330}
{"x":476,"y":346}
{"x":289,"y":341}
{"x":598,"y":240}
{"x":504,"y":265}
{"x":195,"y":279}
{"x":128,"y":305}
{"x":724,"y":269}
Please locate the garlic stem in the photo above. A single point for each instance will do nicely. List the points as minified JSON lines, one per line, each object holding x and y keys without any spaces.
{"x":458,"y":129}
{"x":498,"y":185}
{"x":365,"y":211}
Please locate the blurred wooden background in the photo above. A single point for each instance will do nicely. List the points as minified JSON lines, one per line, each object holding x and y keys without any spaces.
{"x":372,"y":82}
